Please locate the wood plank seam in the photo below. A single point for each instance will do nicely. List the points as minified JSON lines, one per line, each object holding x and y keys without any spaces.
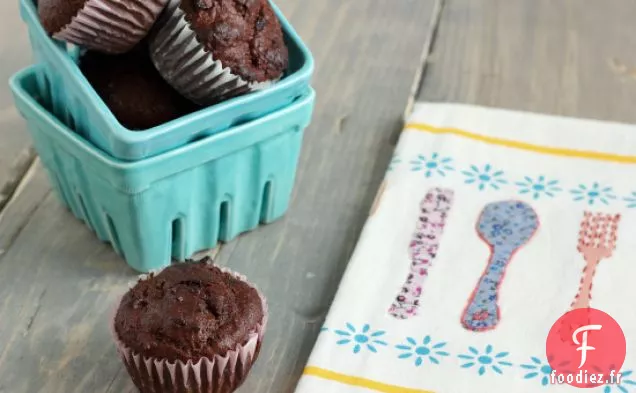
{"x":427,"y":49}
{"x":23,"y":224}
{"x":112,"y":381}
{"x":25,"y":179}
{"x":35,"y":313}
{"x":23,"y":164}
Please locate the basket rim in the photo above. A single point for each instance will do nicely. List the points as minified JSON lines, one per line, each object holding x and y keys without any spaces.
{"x":173,"y":161}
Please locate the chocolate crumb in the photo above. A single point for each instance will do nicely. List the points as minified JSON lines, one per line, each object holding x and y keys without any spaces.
{"x":261,"y":23}
{"x":204,"y":4}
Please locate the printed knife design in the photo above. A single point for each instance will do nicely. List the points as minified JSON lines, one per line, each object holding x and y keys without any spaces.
{"x":423,"y":250}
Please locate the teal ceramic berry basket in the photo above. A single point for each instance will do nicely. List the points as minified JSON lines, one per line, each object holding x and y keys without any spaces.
{"x":76,"y":103}
{"x":177,"y":203}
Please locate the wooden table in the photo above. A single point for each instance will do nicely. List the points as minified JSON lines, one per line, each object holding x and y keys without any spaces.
{"x":374,"y":57}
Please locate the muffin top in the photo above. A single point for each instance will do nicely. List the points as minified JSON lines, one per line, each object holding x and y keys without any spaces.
{"x":133,"y":89}
{"x":56,"y":14}
{"x":188,"y":311}
{"x":245,"y":35}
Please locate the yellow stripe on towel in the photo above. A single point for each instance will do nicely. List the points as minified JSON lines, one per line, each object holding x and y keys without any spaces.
{"x":555,"y":151}
{"x":359,"y":382}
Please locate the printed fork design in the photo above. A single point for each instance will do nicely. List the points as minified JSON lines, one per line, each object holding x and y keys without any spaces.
{"x":597,"y":241}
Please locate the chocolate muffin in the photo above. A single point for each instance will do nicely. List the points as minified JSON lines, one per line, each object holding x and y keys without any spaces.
{"x":244,"y":35}
{"x":55,"y":14}
{"x":110,"y":26}
{"x":133,"y":89}
{"x":194,"y":316}
{"x":210,"y":50}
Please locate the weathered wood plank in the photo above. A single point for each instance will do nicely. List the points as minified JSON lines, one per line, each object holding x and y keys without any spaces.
{"x":58,"y":282}
{"x":368,"y":55}
{"x":15,"y":52}
{"x":21,"y":207}
{"x":564,"y":57}
{"x":57,"y":285}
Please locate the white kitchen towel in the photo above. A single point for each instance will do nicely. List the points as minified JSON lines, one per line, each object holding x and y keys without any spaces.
{"x":418,"y":311}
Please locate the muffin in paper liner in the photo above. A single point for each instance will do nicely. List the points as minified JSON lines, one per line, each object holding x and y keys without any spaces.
{"x":111,"y":26}
{"x":190,"y":68}
{"x":221,"y":374}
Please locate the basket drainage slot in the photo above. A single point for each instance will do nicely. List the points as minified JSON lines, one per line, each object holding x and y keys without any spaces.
{"x":266,"y":202}
{"x":87,"y":218}
{"x":114,"y":236}
{"x":178,"y":238}
{"x":224,"y":220}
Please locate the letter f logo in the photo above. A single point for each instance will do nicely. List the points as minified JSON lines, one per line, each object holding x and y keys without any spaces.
{"x":583,"y":343}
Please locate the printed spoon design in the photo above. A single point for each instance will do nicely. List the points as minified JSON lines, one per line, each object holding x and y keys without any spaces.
{"x":597,"y":241}
{"x":505,"y":227}
{"x":423,"y":250}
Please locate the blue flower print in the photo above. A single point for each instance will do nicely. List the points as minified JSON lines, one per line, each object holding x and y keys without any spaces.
{"x":395,"y":161}
{"x":625,"y":385}
{"x":324,"y":329}
{"x":485,"y":361}
{"x":363,"y":338}
{"x":631,"y":200}
{"x":539,"y":187}
{"x":436,"y":165}
{"x":593,"y":194}
{"x":423,"y":351}
{"x":488,"y":177}
{"x":538,"y":369}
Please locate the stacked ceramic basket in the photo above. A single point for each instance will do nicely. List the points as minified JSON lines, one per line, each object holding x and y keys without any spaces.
{"x":178,"y":188}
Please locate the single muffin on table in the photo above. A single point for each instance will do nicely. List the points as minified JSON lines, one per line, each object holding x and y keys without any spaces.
{"x":191,"y":327}
{"x":110,"y":26}
{"x":133,"y":89}
{"x":211,"y":50}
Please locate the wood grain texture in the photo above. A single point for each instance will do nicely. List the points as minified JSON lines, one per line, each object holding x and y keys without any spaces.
{"x":565,"y":57}
{"x":58,"y":282}
{"x":15,"y":155}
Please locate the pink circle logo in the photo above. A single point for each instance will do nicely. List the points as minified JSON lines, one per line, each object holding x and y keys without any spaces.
{"x":586,"y":348}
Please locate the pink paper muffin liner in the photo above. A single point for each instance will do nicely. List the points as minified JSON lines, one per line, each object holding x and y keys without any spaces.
{"x":220,"y":374}
{"x":186,"y":65}
{"x":112,"y":26}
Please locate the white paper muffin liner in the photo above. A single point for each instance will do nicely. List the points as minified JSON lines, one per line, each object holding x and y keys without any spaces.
{"x":186,"y":65}
{"x":220,"y":374}
{"x":112,"y":26}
